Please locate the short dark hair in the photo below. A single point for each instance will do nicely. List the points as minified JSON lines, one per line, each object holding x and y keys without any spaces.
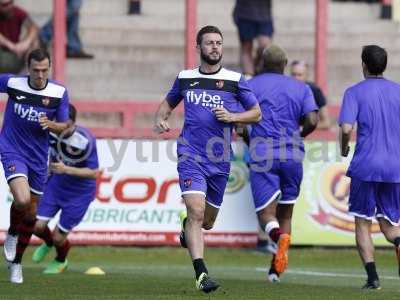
{"x":274,"y":59}
{"x":374,"y":58}
{"x":207,"y":29}
{"x":72,"y":113}
{"x":38,"y":55}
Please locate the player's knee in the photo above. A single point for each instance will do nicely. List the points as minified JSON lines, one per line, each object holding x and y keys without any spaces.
{"x":39,"y":227}
{"x":59,"y":236}
{"x":196,"y":216}
{"x":208,"y":224}
{"x":58,"y":240}
{"x":22,"y":200}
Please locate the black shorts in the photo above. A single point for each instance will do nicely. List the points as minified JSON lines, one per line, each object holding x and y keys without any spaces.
{"x":249,"y":30}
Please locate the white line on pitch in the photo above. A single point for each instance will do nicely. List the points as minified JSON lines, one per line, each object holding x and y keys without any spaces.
{"x":327,"y":274}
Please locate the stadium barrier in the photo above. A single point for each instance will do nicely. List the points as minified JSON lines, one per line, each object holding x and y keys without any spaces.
{"x":138,"y":199}
{"x":131,"y":115}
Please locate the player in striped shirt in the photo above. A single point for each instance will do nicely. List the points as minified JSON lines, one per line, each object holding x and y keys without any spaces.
{"x":35,"y":107}
{"x":212,"y":96}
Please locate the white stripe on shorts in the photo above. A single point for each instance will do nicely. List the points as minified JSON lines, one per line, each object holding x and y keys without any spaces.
{"x":62,"y":228}
{"x":387,"y":219}
{"x":43,"y":218}
{"x":361,"y":216}
{"x":280,"y":201}
{"x":15,"y":176}
{"x":213,"y":205}
{"x":33,"y":191}
{"x":193,"y":192}
{"x":276,"y":195}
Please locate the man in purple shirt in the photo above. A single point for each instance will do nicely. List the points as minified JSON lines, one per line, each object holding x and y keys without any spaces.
{"x":374,"y":104}
{"x":70,"y":189}
{"x":212,"y":96}
{"x":36,"y":106}
{"x":277,"y":150}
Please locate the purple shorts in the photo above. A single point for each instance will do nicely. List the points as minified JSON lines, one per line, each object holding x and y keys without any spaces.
{"x":15,"y":166}
{"x":73,"y":208}
{"x":375,"y":199}
{"x":195,"y":179}
{"x":275,"y":180}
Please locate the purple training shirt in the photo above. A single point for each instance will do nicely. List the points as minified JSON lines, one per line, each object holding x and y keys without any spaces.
{"x":283,"y":102}
{"x":374,"y":104}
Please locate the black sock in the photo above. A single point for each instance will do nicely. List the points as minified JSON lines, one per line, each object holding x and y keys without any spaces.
{"x":199,"y":267}
{"x":397,"y":241}
{"x":12,"y":232}
{"x":262,"y":243}
{"x":371,"y":271}
{"x":272,"y":271}
{"x":182,"y":236}
{"x":184,"y":223}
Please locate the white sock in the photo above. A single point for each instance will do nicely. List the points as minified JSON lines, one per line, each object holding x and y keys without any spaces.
{"x":271,"y":225}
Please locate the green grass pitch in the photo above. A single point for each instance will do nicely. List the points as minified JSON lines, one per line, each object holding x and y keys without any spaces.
{"x":166,"y":273}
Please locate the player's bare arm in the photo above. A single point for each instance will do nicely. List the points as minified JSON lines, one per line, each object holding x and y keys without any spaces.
{"x":252,"y":115}
{"x":344,"y":138}
{"x":161,"y":120}
{"x":61,"y":168}
{"x":310,"y":123}
{"x":55,"y":127}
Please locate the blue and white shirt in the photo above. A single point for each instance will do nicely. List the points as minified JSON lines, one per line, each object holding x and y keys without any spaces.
{"x":201,"y":93}
{"x":77,"y":150}
{"x":21,"y":132}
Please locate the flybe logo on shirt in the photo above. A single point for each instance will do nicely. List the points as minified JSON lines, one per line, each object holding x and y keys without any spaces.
{"x":28,"y":113}
{"x":204,"y":99}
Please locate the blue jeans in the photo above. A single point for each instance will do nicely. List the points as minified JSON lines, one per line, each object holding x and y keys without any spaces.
{"x":73,"y":40}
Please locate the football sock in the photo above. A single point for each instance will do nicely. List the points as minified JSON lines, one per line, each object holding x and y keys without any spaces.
{"x":16,"y":217}
{"x":199,"y":267}
{"x":25,"y":234}
{"x":184,"y":224}
{"x":397,"y":241}
{"x":262,"y":243}
{"x":62,"y":251}
{"x":371,"y":271}
{"x":273,"y":230}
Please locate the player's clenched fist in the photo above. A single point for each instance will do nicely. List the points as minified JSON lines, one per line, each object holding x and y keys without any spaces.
{"x":57,"y":167}
{"x":223,"y":115}
{"x":44,"y":122}
{"x":161,"y":126}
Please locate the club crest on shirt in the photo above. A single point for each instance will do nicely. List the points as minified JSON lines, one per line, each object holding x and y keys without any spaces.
{"x":46,"y":101}
{"x":220,"y":84}
{"x":12,"y":168}
{"x":187,"y":182}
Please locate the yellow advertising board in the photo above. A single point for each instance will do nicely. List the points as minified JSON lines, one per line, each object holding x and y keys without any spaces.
{"x":321,"y":212}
